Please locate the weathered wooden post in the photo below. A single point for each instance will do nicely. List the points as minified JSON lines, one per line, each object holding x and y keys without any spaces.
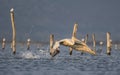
{"x":94,"y":42}
{"x":28,"y":43}
{"x":86,"y":38}
{"x":74,"y":30}
{"x":51,"y":41}
{"x":101,"y":45}
{"x":85,"y":41}
{"x":13,"y":30}
{"x":108,"y":43}
{"x":73,"y":36}
{"x":3,"y":43}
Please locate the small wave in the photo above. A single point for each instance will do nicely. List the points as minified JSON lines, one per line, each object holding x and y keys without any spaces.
{"x":29,"y":55}
{"x":36,"y":54}
{"x":44,"y":53}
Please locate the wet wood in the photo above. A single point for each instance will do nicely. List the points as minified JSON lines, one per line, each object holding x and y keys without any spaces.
{"x":3,"y":43}
{"x":13,"y":30}
{"x":74,"y":31}
{"x":85,"y":41}
{"x":86,"y":38}
{"x":94,"y":42}
{"x":101,"y":45}
{"x":108,"y":43}
{"x":51,"y":41}
{"x":28,"y":43}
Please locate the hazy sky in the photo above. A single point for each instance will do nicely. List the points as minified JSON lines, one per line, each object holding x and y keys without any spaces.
{"x":39,"y":18}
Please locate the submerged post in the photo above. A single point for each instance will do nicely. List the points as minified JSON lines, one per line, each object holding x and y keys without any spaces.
{"x":86,"y":38}
{"x":3,"y":43}
{"x":51,"y":41}
{"x":94,"y":42}
{"x":13,"y":30}
{"x":83,"y":40}
{"x":28,"y":43}
{"x":101,"y":45}
{"x":108,"y":43}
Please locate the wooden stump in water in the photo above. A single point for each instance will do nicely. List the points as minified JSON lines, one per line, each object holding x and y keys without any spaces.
{"x":14,"y":31}
{"x":3,"y":43}
{"x":94,"y":42}
{"x":108,"y":43}
{"x":51,"y":41}
{"x":85,"y":40}
{"x":28,"y":43}
{"x":101,"y":45}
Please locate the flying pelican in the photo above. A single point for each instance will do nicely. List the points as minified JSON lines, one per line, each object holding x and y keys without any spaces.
{"x":72,"y":43}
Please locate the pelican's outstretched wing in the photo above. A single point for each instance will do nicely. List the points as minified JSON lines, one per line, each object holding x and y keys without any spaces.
{"x":81,"y":46}
{"x":66,"y":42}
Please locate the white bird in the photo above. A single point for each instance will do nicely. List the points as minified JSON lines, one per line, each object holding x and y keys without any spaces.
{"x":73,"y":43}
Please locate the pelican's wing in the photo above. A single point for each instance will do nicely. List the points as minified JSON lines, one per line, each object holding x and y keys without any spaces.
{"x":81,"y":46}
{"x":67,"y":42}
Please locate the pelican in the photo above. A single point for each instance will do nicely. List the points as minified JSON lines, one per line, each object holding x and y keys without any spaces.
{"x":72,"y":43}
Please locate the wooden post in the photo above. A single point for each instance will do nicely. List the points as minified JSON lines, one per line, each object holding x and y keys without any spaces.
{"x":108,"y":43}
{"x":51,"y":41}
{"x":3,"y":43}
{"x":28,"y":43}
{"x":101,"y":45}
{"x":74,"y":30}
{"x":94,"y":42}
{"x":13,"y":30}
{"x":86,"y":38}
{"x":85,"y":41}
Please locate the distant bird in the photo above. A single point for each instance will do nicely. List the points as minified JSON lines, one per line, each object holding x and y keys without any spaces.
{"x":72,"y":43}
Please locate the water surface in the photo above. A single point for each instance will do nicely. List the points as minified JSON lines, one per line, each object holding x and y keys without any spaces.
{"x":39,"y":62}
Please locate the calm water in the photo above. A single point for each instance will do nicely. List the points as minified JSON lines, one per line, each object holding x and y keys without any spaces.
{"x":39,"y":62}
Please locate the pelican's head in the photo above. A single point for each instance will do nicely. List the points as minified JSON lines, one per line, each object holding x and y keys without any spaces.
{"x":55,"y":50}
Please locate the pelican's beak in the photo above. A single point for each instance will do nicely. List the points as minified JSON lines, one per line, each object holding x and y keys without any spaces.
{"x":54,"y":53}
